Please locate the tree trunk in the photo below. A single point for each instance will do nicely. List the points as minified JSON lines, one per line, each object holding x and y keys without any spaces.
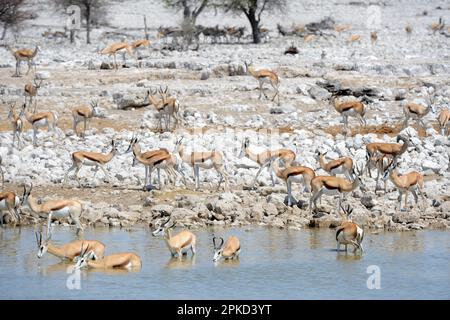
{"x":88,"y":24}
{"x":5,"y":28}
{"x":255,"y":29}
{"x":72,"y":36}
{"x":145,"y":28}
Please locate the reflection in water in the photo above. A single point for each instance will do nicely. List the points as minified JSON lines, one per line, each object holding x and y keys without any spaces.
{"x":228,"y":263}
{"x":348,"y":256}
{"x":60,"y":267}
{"x":184,"y":262}
{"x":274,"y":264}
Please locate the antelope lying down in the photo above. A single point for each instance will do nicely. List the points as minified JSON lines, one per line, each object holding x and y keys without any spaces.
{"x":123,"y":260}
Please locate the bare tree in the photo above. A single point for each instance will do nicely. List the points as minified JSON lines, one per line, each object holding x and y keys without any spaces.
{"x":88,"y":8}
{"x":12,"y":13}
{"x":253,"y":10}
{"x":191,"y":8}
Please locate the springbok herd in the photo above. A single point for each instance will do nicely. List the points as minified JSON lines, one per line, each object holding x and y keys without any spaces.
{"x":344,"y":174}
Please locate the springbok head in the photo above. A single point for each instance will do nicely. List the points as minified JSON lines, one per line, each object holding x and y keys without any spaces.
{"x":218,"y":249}
{"x":43,"y":244}
{"x":163,"y":227}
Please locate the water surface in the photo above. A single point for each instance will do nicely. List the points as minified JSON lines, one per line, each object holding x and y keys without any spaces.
{"x":274,"y":264}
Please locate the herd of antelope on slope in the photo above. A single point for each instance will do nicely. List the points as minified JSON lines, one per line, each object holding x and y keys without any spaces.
{"x":384,"y":157}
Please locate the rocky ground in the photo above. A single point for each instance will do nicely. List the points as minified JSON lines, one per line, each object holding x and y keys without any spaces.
{"x":220,"y":107}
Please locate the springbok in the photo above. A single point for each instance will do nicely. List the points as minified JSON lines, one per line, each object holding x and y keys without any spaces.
{"x":418,"y":111}
{"x":373,"y":37}
{"x":159,"y":106}
{"x":159,"y":159}
{"x":349,"y":232}
{"x":47,"y":119}
{"x":444,"y":120}
{"x":24,"y":55}
{"x":58,"y":209}
{"x":30,"y":91}
{"x":382,"y":162}
{"x":412,"y":181}
{"x":178,"y":244}
{"x":230,"y":250}
{"x":85,"y":158}
{"x":85,"y":114}
{"x":265,"y":76}
{"x":17,"y":125}
{"x":393,"y":149}
{"x":123,"y":260}
{"x":349,"y":109}
{"x":342,"y":165}
{"x":294,"y":174}
{"x":332,"y":186}
{"x":10,"y":202}
{"x":206,"y":160}
{"x":70,"y":251}
{"x":118,"y":47}
{"x":171,"y":106}
{"x":265,"y":158}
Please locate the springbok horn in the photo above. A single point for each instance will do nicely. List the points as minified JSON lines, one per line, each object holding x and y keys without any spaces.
{"x":221,"y":244}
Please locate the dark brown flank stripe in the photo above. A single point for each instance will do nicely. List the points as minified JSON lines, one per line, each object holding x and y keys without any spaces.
{"x":331,"y":187}
{"x":338,"y":164}
{"x":90,"y":158}
{"x":186,"y":243}
{"x":3,"y":196}
{"x":340,"y":229}
{"x":81,"y":113}
{"x":413,"y":111}
{"x":40,"y":117}
{"x":347,"y":107}
{"x":294,"y":173}
{"x":58,"y":207}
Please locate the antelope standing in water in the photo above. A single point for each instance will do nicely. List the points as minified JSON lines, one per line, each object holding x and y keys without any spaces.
{"x":230,"y":250}
{"x":294,"y":174}
{"x":17,"y":125}
{"x":123,"y":260}
{"x":349,"y":232}
{"x":70,"y":251}
{"x":342,"y":165}
{"x":47,"y":119}
{"x":349,"y":109}
{"x":85,"y":158}
{"x":333,"y":186}
{"x":265,"y":76}
{"x":85,"y":114}
{"x":178,"y":244}
{"x":412,"y":181}
{"x":205,"y":159}
{"x":24,"y":55}
{"x":64,"y":208}
{"x":265,"y":158}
